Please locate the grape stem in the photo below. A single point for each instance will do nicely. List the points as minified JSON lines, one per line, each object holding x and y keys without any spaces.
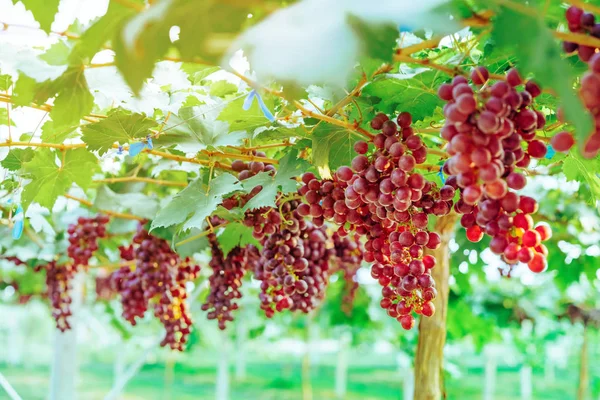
{"x":107,"y":212}
{"x":266,"y":146}
{"x":200,"y":235}
{"x":483,"y":20}
{"x":325,"y":118}
{"x":428,"y":167}
{"x":141,"y":179}
{"x":47,"y":107}
{"x":436,"y":152}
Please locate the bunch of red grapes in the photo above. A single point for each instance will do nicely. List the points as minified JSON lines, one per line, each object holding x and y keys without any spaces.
{"x":59,"y":279}
{"x":23,"y":298}
{"x":382,"y":197}
{"x":491,"y":133}
{"x":104,"y":286}
{"x":581,"y":22}
{"x":263,"y":220}
{"x":348,"y":258}
{"x":226,"y":280}
{"x":294,"y":264}
{"x":159,"y":280}
{"x":83,"y":238}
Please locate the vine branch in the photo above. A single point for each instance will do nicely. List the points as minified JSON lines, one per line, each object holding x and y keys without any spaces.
{"x":107,"y":212}
{"x":141,"y":179}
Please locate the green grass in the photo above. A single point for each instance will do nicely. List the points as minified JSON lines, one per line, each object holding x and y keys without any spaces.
{"x":278,"y":382}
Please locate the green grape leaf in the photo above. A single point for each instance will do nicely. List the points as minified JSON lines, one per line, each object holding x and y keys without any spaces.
{"x":24,"y":91}
{"x":197,"y":73}
{"x":206,"y":30}
{"x":222,"y":88}
{"x":577,"y":168}
{"x":239,"y":119}
{"x":4,"y":117}
{"x":541,"y":56}
{"x":196,"y":202}
{"x":51,"y":134}
{"x":100,"y":32}
{"x":234,"y":235}
{"x":121,"y":126}
{"x":137,"y":203}
{"x":377,"y":41}
{"x":207,"y":27}
{"x":57,"y":54}
{"x":73,"y":100}
{"x":290,"y":167}
{"x":416,"y":93}
{"x":16,"y":157}
{"x":194,"y":130}
{"x":50,"y":180}
{"x":280,"y":133}
{"x":5,"y":82}
{"x":142,"y":41}
{"x":43,"y":11}
{"x":332,"y":147}
{"x":195,"y":245}
{"x":368,"y":66}
{"x":9,"y":185}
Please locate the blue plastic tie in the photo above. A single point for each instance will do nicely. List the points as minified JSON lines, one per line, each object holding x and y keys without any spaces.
{"x":441,"y":175}
{"x":19,"y":223}
{"x":550,"y":153}
{"x":136,"y":148}
{"x":265,"y":110}
{"x":249,"y":99}
{"x":248,"y":103}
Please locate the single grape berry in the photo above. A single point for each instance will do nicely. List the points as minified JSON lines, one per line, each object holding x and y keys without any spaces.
{"x":361,"y":147}
{"x":407,"y":322}
{"x":404,"y":119}
{"x":537,"y":149}
{"x":428,"y":309}
{"x":513,"y":78}
{"x":562,"y":141}
{"x":480,"y":75}
{"x":573,"y":15}
{"x":538,"y":263}
{"x":474,"y":233}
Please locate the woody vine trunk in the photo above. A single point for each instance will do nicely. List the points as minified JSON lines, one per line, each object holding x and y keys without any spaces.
{"x":429,"y":378}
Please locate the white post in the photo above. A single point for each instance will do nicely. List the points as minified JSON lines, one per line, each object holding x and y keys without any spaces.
{"x":222,"y":387}
{"x":490,"y":373}
{"x":526,"y":384}
{"x":119,"y":365}
{"x":64,"y":362}
{"x":341,"y":368}
{"x":133,"y":369}
{"x":240,"y":350}
{"x":12,"y":393}
{"x":526,"y":389}
{"x":14,"y":339}
{"x":408,"y":384}
{"x":407,"y":373}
